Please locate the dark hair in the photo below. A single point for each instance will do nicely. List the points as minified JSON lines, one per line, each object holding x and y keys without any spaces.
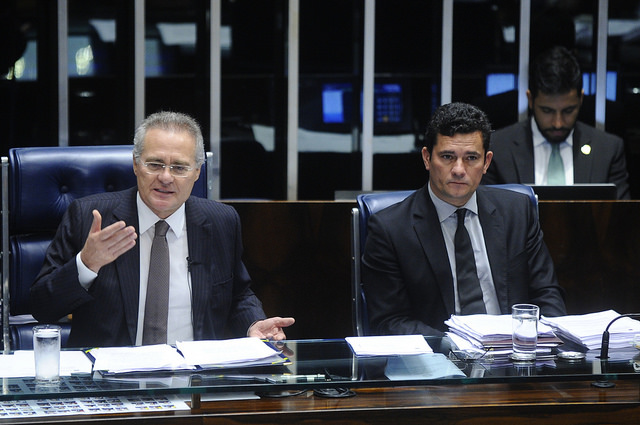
{"x":555,"y":71}
{"x":457,"y":118}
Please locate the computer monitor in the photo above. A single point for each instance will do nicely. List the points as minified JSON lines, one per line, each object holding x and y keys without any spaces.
{"x":578,"y":191}
{"x":392,"y":110}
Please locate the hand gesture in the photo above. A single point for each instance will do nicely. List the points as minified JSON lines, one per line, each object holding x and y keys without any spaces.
{"x":105,"y":245}
{"x":271,"y":328}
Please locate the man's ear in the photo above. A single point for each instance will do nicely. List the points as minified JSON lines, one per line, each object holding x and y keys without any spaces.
{"x":487,"y":161}
{"x":426,"y":158}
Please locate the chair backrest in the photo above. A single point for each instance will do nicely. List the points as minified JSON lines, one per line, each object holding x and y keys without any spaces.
{"x":369,"y":204}
{"x":38,"y":184}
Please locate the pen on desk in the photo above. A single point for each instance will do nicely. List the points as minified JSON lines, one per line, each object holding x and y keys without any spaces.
{"x":303,"y":378}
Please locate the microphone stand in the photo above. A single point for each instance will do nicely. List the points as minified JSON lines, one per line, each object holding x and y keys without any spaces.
{"x":604,"y":352}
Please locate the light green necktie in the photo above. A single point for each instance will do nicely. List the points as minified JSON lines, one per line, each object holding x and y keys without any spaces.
{"x":555,"y":172}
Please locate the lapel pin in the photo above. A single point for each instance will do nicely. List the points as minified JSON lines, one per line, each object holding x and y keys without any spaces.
{"x":585,"y":149}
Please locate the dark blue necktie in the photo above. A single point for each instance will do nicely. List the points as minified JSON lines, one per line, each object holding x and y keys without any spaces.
{"x":469,"y":291}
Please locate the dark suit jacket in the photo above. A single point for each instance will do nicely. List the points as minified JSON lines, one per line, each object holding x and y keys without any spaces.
{"x":406,"y":273}
{"x":513,"y":162}
{"x":223,"y":304}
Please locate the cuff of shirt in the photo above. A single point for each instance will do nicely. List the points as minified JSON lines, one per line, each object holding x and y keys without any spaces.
{"x":86,"y":276}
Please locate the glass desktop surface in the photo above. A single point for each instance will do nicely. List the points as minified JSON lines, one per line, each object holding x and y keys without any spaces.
{"x":317,"y":364}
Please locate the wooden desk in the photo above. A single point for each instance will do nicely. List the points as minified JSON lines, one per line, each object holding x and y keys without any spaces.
{"x":574,"y":402}
{"x":561,"y":402}
{"x":489,"y":391}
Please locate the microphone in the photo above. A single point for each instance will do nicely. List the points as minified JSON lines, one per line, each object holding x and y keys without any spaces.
{"x":604,"y":348}
{"x":189,"y":263}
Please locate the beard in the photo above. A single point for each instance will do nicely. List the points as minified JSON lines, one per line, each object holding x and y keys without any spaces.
{"x":556,"y":135}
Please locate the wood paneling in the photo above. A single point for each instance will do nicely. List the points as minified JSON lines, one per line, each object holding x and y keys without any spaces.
{"x":298,"y":255}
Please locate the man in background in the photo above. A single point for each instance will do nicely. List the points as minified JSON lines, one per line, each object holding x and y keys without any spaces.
{"x":552,"y":147}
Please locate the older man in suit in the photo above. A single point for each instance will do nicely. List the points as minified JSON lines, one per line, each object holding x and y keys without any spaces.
{"x":100,"y":266}
{"x":413,"y":274}
{"x":553,"y":147}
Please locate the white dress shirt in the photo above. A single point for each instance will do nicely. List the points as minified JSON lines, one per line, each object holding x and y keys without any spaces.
{"x":448,"y":224}
{"x":542,"y":152}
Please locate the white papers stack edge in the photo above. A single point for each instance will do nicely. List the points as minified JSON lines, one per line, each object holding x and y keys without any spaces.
{"x":587,"y":329}
{"x":391,"y":345}
{"x":249,"y":351}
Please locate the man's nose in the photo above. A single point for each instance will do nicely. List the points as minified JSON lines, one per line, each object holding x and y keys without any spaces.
{"x":558,"y":120}
{"x":165,"y":175}
{"x":458,"y":167}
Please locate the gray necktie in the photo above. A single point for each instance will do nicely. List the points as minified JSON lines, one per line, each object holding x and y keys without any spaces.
{"x":469,"y":290}
{"x":157,"y":304}
{"x":555,"y":172}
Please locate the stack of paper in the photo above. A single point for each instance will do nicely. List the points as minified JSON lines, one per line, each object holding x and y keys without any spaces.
{"x":587,"y":329}
{"x":145,"y":358}
{"x":239,"y":352}
{"x":234,"y":353}
{"x":482,"y":332}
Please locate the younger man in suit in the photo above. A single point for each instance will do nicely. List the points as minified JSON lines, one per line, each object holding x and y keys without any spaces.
{"x":526,"y":151}
{"x":98,"y":265}
{"x":410,"y":276}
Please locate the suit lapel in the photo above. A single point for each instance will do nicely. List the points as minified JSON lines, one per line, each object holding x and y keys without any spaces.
{"x":522,"y":154}
{"x":581,"y":163}
{"x":128,"y":266}
{"x":495,"y":239}
{"x":425,"y":220}
{"x":198,"y":241}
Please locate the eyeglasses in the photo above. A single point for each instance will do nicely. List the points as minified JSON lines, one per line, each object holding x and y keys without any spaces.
{"x":175,"y":170}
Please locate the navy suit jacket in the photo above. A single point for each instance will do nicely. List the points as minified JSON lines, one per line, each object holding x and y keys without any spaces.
{"x":223,"y":304}
{"x":405,"y":267}
{"x":513,"y":161}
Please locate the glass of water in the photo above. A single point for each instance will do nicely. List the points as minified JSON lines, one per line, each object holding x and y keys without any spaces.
{"x":524,"y":321}
{"x":46,"y":352}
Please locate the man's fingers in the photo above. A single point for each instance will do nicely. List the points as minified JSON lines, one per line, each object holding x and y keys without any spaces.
{"x":122,"y":246}
{"x":96,"y":224}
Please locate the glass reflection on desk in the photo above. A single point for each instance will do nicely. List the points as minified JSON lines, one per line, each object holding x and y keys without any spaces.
{"x":319,"y":364}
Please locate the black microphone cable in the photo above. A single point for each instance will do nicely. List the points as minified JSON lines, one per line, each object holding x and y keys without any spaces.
{"x":604,"y":348}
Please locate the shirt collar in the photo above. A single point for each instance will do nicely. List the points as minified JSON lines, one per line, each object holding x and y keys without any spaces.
{"x":538,"y":138}
{"x":445,"y":209}
{"x":147,"y":218}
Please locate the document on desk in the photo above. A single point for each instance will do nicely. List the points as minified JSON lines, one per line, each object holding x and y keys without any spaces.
{"x":494,"y":331}
{"x":144,"y":358}
{"x":423,"y":366}
{"x":587,"y":329}
{"x":21,"y":364}
{"x":237,"y":352}
{"x":390,"y":345}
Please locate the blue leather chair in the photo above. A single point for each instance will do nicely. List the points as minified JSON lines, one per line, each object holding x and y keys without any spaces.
{"x":38,"y":184}
{"x":369,"y":204}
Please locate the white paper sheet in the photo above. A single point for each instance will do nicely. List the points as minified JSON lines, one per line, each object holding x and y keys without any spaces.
{"x":226,"y":352}
{"x":138,"y":359}
{"x":390,"y":345}
{"x":21,"y":364}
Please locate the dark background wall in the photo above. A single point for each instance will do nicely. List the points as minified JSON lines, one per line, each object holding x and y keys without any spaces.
{"x":298,"y":254}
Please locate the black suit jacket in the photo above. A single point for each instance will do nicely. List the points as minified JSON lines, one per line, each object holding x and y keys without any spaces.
{"x":223,"y":305}
{"x":513,"y":161}
{"x":406,"y":273}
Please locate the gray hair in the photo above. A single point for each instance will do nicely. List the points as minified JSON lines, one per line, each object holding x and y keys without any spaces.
{"x":169,"y":121}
